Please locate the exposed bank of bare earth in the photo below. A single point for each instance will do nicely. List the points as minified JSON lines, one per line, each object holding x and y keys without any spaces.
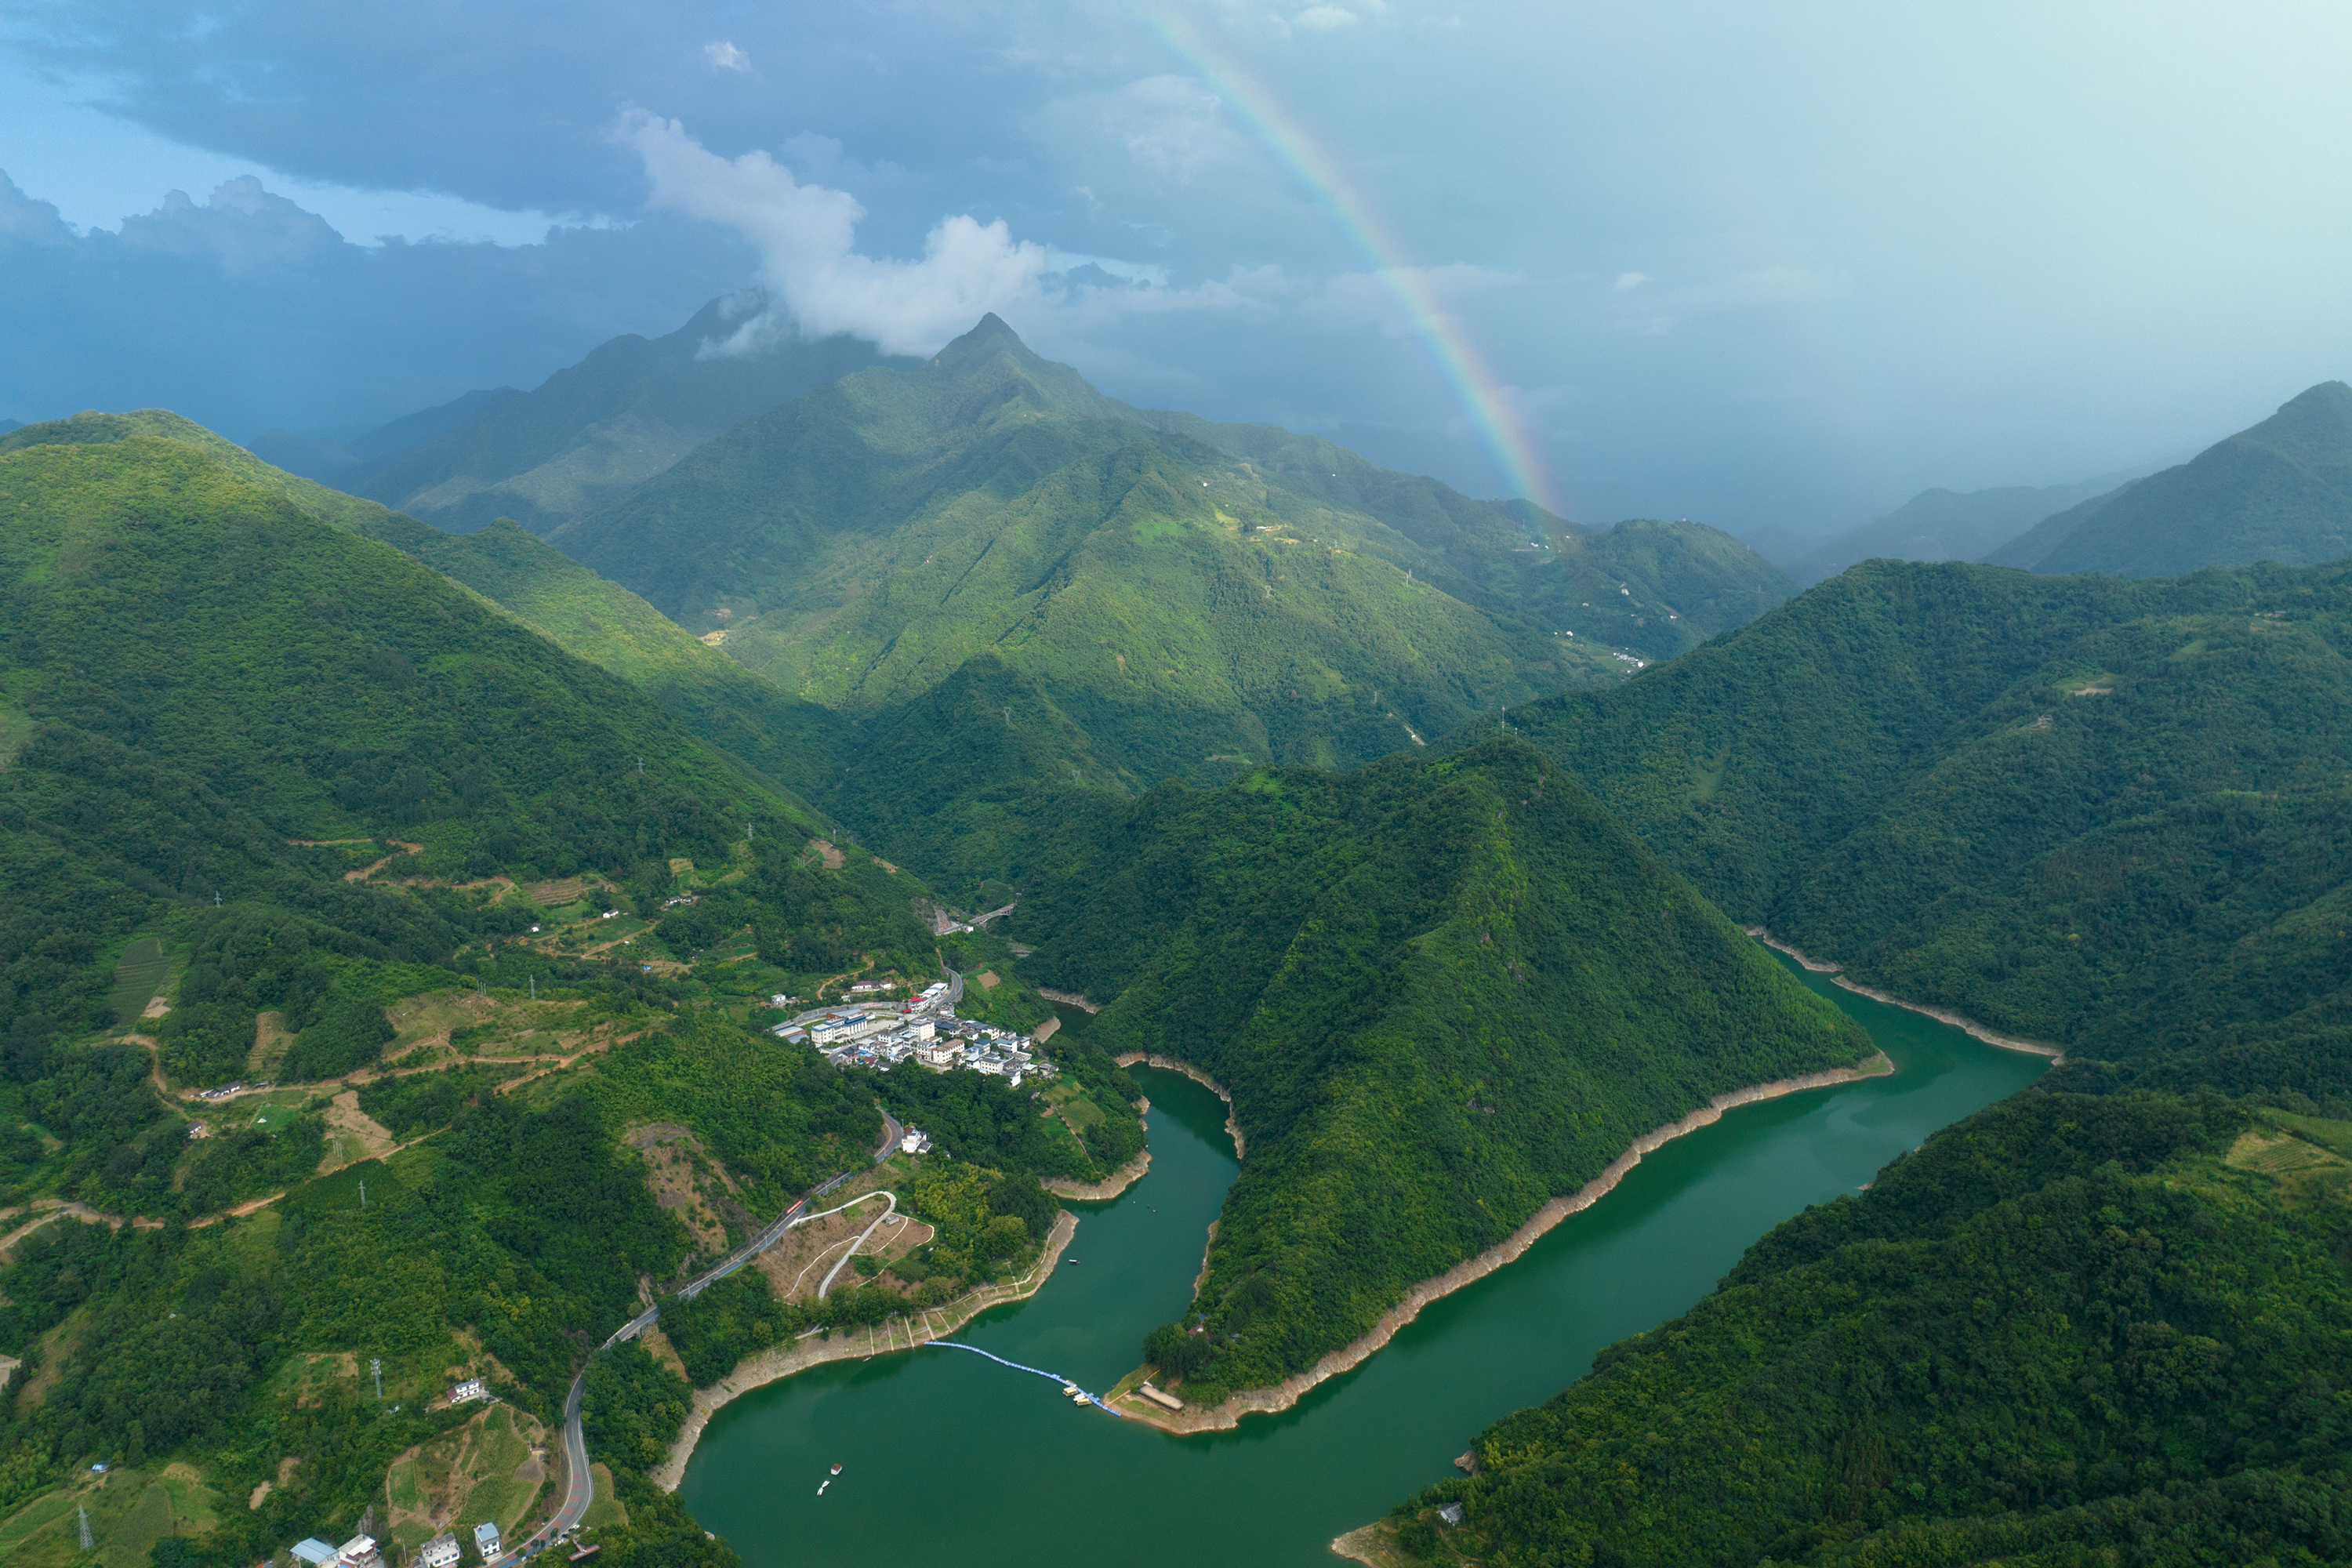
{"x":1170,"y":1064}
{"x":1941,"y":1014}
{"x":1284,"y":1394}
{"x":773,"y":1365}
{"x":897,"y":1334}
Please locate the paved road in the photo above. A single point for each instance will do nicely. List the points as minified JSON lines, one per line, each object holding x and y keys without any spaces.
{"x":579,"y":1487}
{"x":825,"y":1286}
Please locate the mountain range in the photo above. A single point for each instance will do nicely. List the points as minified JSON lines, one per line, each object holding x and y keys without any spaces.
{"x":628,"y":410}
{"x":489,"y":847}
{"x":2280,"y":490}
{"x":328,"y":806}
{"x":1945,"y":525}
{"x":1177,"y":598}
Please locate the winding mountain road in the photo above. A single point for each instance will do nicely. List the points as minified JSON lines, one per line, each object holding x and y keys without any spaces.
{"x":579,"y":1487}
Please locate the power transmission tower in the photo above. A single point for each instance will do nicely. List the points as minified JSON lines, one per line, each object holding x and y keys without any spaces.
{"x":375,"y":1368}
{"x":362,"y":1195}
{"x":86,"y":1542}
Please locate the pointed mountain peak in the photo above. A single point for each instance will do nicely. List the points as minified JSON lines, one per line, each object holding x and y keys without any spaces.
{"x":2327,"y":404}
{"x":992,"y":335}
{"x":991,"y":363}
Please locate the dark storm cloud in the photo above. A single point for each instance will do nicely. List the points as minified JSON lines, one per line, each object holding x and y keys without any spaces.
{"x":1763,"y":264}
{"x":242,"y":310}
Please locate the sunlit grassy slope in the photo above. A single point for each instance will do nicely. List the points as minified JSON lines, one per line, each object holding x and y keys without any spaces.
{"x":1188,"y":597}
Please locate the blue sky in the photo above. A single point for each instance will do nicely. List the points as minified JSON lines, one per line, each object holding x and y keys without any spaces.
{"x":1758,"y":265}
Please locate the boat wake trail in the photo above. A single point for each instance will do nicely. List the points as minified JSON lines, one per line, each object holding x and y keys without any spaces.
{"x":1033,"y":1371}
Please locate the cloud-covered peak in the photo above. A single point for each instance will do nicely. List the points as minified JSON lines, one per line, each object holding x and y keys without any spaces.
{"x":809,"y":264}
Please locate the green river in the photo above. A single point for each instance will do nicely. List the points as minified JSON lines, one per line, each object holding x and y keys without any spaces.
{"x":950,"y":1457}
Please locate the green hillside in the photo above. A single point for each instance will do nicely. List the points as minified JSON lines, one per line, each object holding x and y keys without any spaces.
{"x":278,"y":803}
{"x":2071,"y":1330}
{"x":793,"y":744}
{"x":1683,"y":582}
{"x":1186,"y":599}
{"x":2281,"y":491}
{"x":1441,"y":992}
{"x":2097,"y":1323}
{"x":2091,"y":810}
{"x":633,"y":406}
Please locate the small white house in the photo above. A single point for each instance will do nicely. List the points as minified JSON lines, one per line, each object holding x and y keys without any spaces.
{"x":916,"y":1141}
{"x":486,"y":1540}
{"x":441,"y":1552}
{"x":468,"y":1391}
{"x":360,"y":1551}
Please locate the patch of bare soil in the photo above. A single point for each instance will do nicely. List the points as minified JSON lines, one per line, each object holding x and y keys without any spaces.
{"x":270,"y":1037}
{"x":797,"y":1265}
{"x":658,"y":1346}
{"x":826,"y":852}
{"x":364,"y":872}
{"x":369,"y":1139}
{"x":564,"y":889}
{"x":687,"y":1182}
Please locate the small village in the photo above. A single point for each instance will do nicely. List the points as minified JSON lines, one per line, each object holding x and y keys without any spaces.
{"x":881,"y":1033}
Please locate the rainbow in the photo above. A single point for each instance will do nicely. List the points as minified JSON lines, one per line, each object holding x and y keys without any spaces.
{"x":1484,"y":396}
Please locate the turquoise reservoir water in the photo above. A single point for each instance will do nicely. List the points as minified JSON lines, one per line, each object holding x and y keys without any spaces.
{"x":948,"y":1457}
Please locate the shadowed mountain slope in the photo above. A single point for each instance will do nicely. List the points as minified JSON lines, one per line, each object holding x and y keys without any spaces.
{"x":2281,"y":491}
{"x":1946,"y":525}
{"x":633,"y":406}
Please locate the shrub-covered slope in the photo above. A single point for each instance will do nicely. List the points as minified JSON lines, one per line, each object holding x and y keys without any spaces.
{"x":2103,"y":813}
{"x":2280,"y":490}
{"x":1195,"y":599}
{"x":1441,"y":992}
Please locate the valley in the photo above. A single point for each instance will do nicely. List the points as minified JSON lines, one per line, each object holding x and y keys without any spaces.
{"x":451,"y":953}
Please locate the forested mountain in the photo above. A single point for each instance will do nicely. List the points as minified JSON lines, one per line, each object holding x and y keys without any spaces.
{"x":2281,"y":491}
{"x":1946,"y":525}
{"x":1180,"y":610}
{"x":632,"y":407}
{"x":2090,"y":811}
{"x":1441,"y":992}
{"x":2101,"y":1322}
{"x":278,"y":801}
{"x":2074,"y":1329}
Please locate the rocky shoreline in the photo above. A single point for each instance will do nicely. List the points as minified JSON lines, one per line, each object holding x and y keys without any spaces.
{"x":1282,"y":1395}
{"x":1941,"y":1014}
{"x":1170,"y":1064}
{"x":1117,"y":1182}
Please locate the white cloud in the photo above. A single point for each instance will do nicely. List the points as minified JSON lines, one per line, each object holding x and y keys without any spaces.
{"x":1324,"y":18}
{"x":725,"y":56}
{"x":1630,"y":281}
{"x":805,"y":235}
{"x":1169,"y":126}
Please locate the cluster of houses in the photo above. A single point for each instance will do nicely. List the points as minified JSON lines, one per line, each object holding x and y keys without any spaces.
{"x":358,"y":1552}
{"x":924,"y":1030}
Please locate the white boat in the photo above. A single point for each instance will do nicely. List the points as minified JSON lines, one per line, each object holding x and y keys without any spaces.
{"x":837,"y":1469}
